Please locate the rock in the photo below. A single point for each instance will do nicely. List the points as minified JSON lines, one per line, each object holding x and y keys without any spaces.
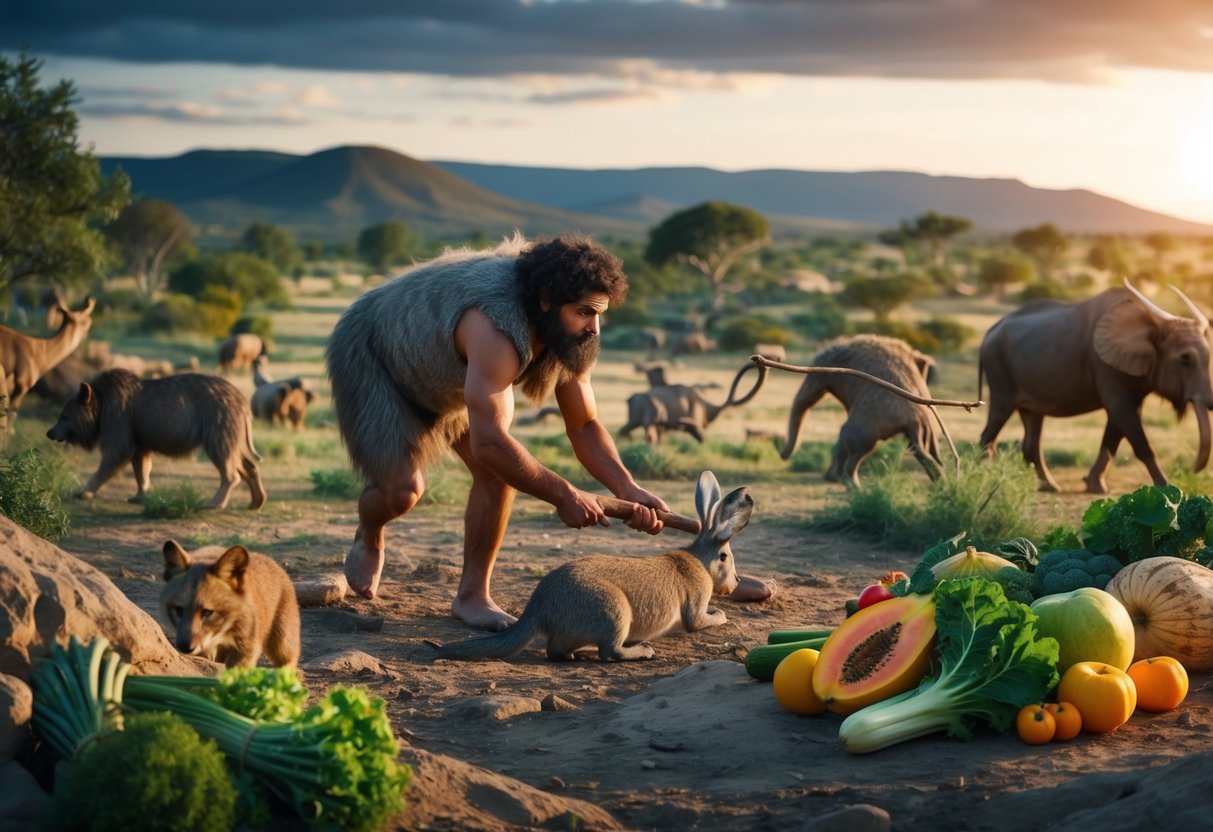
{"x":862,"y":817}
{"x":346,"y":661}
{"x":552,"y":702}
{"x":321,"y":591}
{"x":450,"y":794}
{"x":496,"y":707}
{"x":16,"y":708}
{"x":22,"y":801}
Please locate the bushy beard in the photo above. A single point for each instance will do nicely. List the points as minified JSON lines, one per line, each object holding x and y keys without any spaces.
{"x":564,"y":357}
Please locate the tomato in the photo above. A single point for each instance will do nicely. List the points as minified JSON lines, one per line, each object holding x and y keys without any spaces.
{"x":1068,"y":719}
{"x":1035,"y":725}
{"x":1162,"y":683}
{"x":1104,"y":695}
{"x":874,"y":594}
{"x":793,"y":683}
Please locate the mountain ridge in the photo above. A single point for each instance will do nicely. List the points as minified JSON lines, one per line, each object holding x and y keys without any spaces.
{"x":334,"y":193}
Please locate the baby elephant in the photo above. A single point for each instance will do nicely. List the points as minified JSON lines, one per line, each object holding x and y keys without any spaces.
{"x":615,"y":603}
{"x":874,"y":413}
{"x":131,"y":419}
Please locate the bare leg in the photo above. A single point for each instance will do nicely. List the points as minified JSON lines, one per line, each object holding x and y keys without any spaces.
{"x":378,"y":505}
{"x":752,"y":589}
{"x":484,"y":525}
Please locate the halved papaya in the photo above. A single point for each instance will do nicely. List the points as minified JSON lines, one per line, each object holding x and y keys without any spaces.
{"x":881,"y":651}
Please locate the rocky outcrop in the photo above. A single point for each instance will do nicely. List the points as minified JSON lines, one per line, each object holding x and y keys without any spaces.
{"x":49,"y":595}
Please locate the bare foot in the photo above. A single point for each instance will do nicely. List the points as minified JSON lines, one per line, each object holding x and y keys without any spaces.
{"x":752,"y":589}
{"x":481,"y":614}
{"x":363,"y":567}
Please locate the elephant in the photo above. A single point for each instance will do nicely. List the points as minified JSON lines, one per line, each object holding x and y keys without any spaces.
{"x":1105,"y":353}
{"x":679,"y":407}
{"x":873,"y":412}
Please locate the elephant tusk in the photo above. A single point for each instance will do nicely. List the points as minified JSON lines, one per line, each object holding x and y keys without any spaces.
{"x":1148,"y":304}
{"x":1196,"y":313}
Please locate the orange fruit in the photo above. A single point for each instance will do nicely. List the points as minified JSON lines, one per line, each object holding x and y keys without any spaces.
{"x":1067,"y":718}
{"x":1035,"y":725}
{"x":1162,"y":683}
{"x":793,"y":683}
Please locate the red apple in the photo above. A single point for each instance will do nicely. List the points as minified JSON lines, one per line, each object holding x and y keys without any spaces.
{"x":874,"y":594}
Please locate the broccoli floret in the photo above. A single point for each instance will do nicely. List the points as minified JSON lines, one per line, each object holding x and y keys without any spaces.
{"x":1063,"y":570}
{"x":1192,"y":518}
{"x":1017,"y":585}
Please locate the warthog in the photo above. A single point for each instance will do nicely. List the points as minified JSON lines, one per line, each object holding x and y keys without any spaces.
{"x":130,"y":419}
{"x":283,"y":401}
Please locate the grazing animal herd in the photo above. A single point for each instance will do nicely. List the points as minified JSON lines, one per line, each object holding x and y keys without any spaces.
{"x":1046,"y":359}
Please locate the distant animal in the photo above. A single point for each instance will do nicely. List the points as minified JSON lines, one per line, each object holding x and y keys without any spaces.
{"x":617,"y":603}
{"x":232,"y":608}
{"x":284,"y":402}
{"x":874,"y":413}
{"x":694,"y":343}
{"x":24,"y":359}
{"x":130,"y":419}
{"x":678,"y":407}
{"x":1107,"y":352}
{"x":775,"y":352}
{"x":239,"y":351}
{"x":654,"y":371}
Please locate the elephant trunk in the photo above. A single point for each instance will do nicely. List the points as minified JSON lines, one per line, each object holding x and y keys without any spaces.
{"x":795,"y":417}
{"x":1202,"y":423}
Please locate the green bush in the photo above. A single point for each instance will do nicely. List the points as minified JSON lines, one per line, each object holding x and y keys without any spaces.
{"x":654,"y":462}
{"x":155,"y":774}
{"x":30,"y":485}
{"x":824,"y":320}
{"x":260,"y":325}
{"x":991,"y":500}
{"x":949,"y":333}
{"x":213,"y":313}
{"x":173,"y":502}
{"x":919,"y":339}
{"x":743,"y":332}
{"x":339,"y":483}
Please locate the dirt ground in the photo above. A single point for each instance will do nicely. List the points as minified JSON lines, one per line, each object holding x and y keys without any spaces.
{"x":684,"y":741}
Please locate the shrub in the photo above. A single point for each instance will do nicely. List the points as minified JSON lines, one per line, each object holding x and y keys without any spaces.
{"x":340,"y":483}
{"x":992,"y":501}
{"x":173,"y":502}
{"x":950,"y":333}
{"x":654,"y":462}
{"x":744,"y":331}
{"x":260,"y":325}
{"x":30,"y":486}
{"x":824,"y":320}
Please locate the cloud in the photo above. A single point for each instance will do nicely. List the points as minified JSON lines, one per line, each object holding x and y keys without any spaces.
{"x":682,"y":44}
{"x":189,"y":113}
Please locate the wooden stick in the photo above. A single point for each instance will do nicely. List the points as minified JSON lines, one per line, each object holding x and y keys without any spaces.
{"x":846,"y":371}
{"x":622,"y":510}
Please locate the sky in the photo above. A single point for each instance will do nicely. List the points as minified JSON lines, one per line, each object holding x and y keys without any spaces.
{"x":1114,"y":96}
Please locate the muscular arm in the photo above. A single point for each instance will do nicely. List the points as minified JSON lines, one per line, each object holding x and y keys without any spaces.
{"x":493,"y":364}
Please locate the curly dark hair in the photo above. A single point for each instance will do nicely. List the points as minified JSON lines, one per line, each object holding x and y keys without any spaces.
{"x":566,"y":269}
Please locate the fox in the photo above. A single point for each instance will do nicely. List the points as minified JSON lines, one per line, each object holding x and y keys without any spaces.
{"x":232,"y":608}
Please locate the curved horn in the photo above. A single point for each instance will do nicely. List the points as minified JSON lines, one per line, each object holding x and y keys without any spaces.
{"x":1196,"y":313}
{"x":1148,"y":304}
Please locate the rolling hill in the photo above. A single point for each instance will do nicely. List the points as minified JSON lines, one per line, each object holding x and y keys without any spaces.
{"x":334,"y":193}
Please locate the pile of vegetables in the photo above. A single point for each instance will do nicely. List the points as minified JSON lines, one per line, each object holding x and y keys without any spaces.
{"x":991,"y":664}
{"x":1150,"y":522}
{"x":334,"y":763}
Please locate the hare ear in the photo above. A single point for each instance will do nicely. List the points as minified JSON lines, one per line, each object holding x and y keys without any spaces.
{"x":733,"y":515}
{"x":707,"y":497}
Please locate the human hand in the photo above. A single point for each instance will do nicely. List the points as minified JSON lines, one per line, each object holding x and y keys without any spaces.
{"x":644,"y":516}
{"x":580,"y":509}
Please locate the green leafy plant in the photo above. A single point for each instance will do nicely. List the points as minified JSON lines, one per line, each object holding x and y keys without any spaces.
{"x":339,"y":483}
{"x":991,"y":663}
{"x":30,"y":486}
{"x":1149,"y":522}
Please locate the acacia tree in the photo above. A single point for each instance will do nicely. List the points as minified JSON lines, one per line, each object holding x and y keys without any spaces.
{"x":385,"y":245}
{"x":147,"y":233}
{"x":928,"y":233}
{"x":273,"y":244}
{"x":883,"y":295}
{"x":710,"y":238}
{"x":52,"y":194}
{"x":1045,"y":244}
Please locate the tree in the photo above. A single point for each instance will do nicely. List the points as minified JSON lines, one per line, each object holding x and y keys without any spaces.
{"x":146,"y":233}
{"x":249,"y":278}
{"x":882,"y":295}
{"x":1108,"y":255}
{"x":927,"y":235}
{"x":385,"y":245}
{"x":51,"y":193}
{"x":1045,"y":244}
{"x":1160,"y":244}
{"x":711,"y":238}
{"x":273,"y":244}
{"x":1002,"y":270}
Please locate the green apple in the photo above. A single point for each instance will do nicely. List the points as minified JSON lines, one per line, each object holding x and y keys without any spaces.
{"x":1090,"y":626}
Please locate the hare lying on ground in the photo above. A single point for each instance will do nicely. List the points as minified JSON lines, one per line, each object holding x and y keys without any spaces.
{"x":615,"y":603}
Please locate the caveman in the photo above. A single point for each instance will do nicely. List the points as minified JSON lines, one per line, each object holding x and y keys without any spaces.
{"x":428,"y":361}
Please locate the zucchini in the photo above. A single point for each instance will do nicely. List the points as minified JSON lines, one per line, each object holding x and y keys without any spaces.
{"x":784,"y":636}
{"x":761,"y":661}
